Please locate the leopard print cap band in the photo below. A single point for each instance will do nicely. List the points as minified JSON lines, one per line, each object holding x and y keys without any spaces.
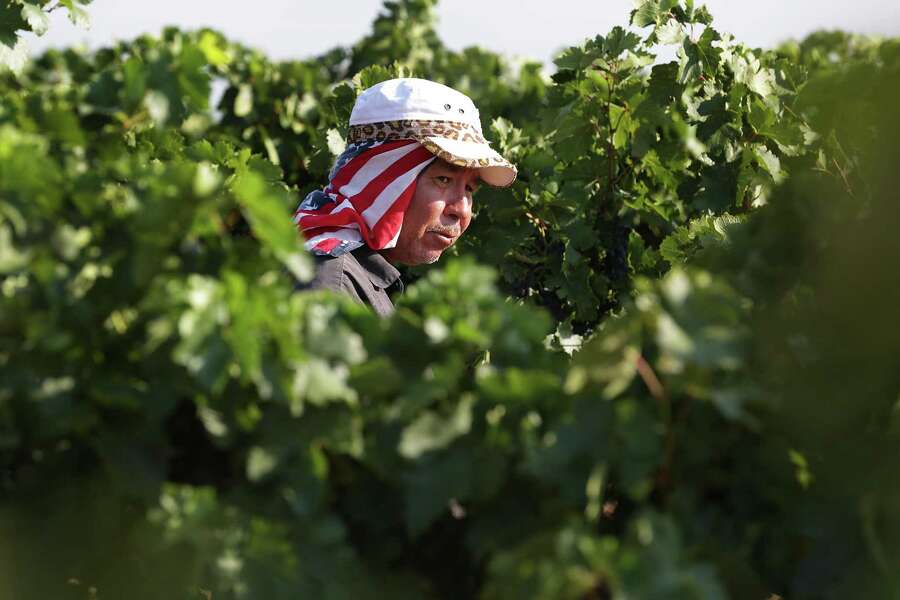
{"x":426,"y":132}
{"x":407,"y":129}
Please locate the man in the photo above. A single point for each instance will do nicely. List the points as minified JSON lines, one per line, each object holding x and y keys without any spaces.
{"x":401,"y":193}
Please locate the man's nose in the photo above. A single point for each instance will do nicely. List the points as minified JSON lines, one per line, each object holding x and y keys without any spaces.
{"x":459,"y":206}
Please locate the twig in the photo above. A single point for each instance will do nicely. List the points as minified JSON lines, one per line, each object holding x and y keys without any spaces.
{"x":651,"y":380}
{"x":843,"y":175}
{"x":655,"y":386}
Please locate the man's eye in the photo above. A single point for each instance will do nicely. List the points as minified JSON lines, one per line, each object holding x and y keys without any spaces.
{"x":442,"y":179}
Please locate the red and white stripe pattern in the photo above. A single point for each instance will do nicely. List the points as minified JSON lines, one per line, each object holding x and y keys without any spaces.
{"x":365,"y":200}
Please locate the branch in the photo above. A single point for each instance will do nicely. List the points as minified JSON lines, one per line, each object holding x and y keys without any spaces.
{"x":654,"y":385}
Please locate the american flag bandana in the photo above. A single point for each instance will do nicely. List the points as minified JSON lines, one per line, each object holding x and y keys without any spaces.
{"x":369,"y":188}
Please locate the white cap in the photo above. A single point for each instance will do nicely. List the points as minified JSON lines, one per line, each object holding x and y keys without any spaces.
{"x":411,"y":98}
{"x":442,"y":119}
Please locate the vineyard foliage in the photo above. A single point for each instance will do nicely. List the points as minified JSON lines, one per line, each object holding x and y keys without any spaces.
{"x":661,"y":365}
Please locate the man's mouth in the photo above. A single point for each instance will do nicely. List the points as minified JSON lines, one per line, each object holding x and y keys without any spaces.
{"x":447,"y":237}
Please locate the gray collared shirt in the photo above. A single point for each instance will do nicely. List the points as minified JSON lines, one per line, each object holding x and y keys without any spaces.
{"x":363,"y":274}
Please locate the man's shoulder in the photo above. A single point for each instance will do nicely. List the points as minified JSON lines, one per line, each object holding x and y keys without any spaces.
{"x":342,"y":273}
{"x":332,"y":271}
{"x":363,"y":274}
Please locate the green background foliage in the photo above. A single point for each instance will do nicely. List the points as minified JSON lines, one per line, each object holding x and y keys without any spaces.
{"x":661,"y":365}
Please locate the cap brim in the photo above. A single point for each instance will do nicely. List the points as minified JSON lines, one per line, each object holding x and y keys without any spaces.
{"x":493,"y":169}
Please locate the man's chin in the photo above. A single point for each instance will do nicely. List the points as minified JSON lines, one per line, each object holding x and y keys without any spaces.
{"x":425,"y":258}
{"x":419,"y":256}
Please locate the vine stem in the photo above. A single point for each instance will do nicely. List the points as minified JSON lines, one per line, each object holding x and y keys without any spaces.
{"x":610,"y":149}
{"x":658,"y":391}
{"x":654,"y":385}
{"x":843,"y":175}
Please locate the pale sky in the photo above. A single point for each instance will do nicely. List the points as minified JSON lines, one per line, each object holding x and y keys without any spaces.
{"x":527,"y":28}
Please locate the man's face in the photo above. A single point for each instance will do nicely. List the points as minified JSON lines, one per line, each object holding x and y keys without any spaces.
{"x":437,"y":215}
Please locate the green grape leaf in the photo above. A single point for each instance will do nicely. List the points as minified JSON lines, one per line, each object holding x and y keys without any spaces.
{"x":267,"y":211}
{"x":243,"y":102}
{"x":36,"y":18}
{"x":651,"y":12}
{"x":14,"y":55}
{"x":432,"y":431}
{"x":77,"y":15}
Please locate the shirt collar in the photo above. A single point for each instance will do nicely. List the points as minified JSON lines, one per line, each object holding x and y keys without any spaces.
{"x":381,"y":273}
